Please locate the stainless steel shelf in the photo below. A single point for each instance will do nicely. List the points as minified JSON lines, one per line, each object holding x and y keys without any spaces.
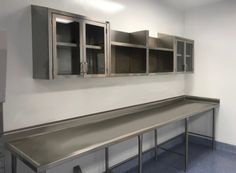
{"x":93,"y":47}
{"x":127,"y":74}
{"x":113,"y":43}
{"x":162,"y":49}
{"x":63,"y":44}
{"x":161,"y":73}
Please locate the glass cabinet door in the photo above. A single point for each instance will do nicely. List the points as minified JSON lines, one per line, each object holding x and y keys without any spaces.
{"x":66,"y":46}
{"x":180,"y":56}
{"x":95,"y":48}
{"x":189,"y":57}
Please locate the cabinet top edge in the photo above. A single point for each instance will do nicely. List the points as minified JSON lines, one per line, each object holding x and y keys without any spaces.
{"x":70,"y":14}
{"x":175,"y":37}
{"x":141,"y":31}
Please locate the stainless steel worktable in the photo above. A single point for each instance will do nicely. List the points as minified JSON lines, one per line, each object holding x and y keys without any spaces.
{"x":50,"y":149}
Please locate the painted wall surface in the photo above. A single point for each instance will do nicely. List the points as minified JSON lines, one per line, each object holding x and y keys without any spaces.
{"x":3,"y":60}
{"x":31,"y":102}
{"x":213,"y":29}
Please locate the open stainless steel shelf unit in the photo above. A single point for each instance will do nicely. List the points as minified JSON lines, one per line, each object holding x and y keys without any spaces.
{"x":136,"y":53}
{"x":129,"y":53}
{"x":161,"y":57}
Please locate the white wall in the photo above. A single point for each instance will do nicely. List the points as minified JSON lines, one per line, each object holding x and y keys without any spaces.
{"x":3,"y":58}
{"x":213,"y":29}
{"x":30,"y":102}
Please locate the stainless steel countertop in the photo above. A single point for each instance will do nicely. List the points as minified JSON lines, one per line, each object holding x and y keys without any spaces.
{"x":49,"y":150}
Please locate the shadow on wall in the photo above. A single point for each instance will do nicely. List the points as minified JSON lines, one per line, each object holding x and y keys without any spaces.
{"x":89,"y":83}
{"x":18,"y":24}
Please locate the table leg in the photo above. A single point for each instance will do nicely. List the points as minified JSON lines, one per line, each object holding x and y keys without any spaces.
{"x":140,"y":146}
{"x":107,"y":160}
{"x":156,"y":147}
{"x":186,"y":144}
{"x":213,"y":129}
{"x":13,"y":164}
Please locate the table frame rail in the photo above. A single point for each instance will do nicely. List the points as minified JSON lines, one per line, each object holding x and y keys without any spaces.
{"x":140,"y":152}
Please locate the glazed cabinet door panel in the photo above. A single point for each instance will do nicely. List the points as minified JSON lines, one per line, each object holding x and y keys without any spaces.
{"x":66,"y":46}
{"x":189,"y":56}
{"x":180,"y":56}
{"x":95,"y":50}
{"x":3,"y":65}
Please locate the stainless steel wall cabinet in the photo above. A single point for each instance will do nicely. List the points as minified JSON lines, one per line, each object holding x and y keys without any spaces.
{"x":68,"y":45}
{"x":183,"y":51}
{"x":3,"y":63}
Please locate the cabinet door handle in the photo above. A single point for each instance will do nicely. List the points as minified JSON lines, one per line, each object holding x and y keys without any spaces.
{"x":77,"y":169}
{"x":85,"y":67}
{"x":82,"y":68}
{"x":184,"y":67}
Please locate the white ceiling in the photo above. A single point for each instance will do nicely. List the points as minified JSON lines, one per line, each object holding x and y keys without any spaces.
{"x":186,"y":4}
